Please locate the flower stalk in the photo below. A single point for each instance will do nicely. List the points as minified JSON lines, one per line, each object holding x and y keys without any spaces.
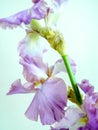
{"x":72,"y":79}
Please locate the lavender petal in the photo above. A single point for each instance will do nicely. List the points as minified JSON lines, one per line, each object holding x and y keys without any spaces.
{"x":52,"y":98}
{"x":18,"y":88}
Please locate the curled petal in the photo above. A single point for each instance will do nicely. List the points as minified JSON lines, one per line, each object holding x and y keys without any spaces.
{"x":60,"y":67}
{"x":52,"y":98}
{"x":39,"y":10}
{"x":25,"y":16}
{"x":18,"y":88}
{"x":86,"y":87}
{"x":34,"y":68}
{"x":32,"y":53}
{"x":17,"y":19}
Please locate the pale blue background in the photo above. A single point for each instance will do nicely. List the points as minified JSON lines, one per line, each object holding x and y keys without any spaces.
{"x":80,"y":27}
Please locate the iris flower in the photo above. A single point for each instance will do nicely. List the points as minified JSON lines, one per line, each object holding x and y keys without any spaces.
{"x":50,"y":92}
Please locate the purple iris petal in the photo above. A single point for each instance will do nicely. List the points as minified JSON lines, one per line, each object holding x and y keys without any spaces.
{"x":33,"y":68}
{"x":51,"y":100}
{"x":38,"y":11}
{"x":17,"y":19}
{"x":60,"y":67}
{"x":33,"y":110}
{"x":18,"y":88}
{"x":72,"y":116}
{"x":86,"y":87}
{"x":90,"y":106}
{"x":30,"y":46}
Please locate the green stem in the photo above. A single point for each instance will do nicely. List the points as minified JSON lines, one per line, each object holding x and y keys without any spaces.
{"x":72,"y":79}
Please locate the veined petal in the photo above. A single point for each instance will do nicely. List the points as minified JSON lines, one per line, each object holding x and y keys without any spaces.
{"x":55,"y":90}
{"x":38,"y":11}
{"x":55,"y":94}
{"x":39,"y":106}
{"x":34,"y":68}
{"x":17,"y":19}
{"x":33,"y":110}
{"x":51,"y":100}
{"x":18,"y":88}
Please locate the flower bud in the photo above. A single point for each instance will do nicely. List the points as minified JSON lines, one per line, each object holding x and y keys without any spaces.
{"x":55,"y":39}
